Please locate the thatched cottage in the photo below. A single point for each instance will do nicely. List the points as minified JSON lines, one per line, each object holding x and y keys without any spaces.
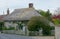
{"x":20,"y":15}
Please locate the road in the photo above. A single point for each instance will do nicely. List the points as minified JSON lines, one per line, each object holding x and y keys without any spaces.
{"x":10,"y":36}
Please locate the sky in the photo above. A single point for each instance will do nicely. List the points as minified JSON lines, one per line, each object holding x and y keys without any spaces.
{"x":38,"y":4}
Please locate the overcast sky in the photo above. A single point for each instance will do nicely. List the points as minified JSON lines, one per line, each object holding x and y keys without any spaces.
{"x":38,"y":4}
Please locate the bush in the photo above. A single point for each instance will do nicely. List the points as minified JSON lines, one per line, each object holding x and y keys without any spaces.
{"x":46,"y":31}
{"x":4,"y":28}
{"x":11,"y":28}
{"x":1,"y":25}
{"x":38,"y":22}
{"x":52,"y":27}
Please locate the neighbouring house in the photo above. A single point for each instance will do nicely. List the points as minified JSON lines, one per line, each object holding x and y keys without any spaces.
{"x":1,"y":17}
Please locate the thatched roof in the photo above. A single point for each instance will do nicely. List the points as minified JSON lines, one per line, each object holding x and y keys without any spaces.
{"x":22,"y":14}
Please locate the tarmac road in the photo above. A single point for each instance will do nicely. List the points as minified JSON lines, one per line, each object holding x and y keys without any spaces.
{"x":10,"y":36}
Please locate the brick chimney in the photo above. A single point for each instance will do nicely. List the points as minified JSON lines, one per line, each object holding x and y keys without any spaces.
{"x":8,"y":11}
{"x":30,"y":5}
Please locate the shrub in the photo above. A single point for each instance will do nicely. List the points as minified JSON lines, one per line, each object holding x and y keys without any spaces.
{"x":11,"y":28}
{"x":38,"y":22}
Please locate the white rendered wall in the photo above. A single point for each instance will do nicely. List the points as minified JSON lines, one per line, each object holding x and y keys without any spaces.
{"x":57,"y":32}
{"x":7,"y":24}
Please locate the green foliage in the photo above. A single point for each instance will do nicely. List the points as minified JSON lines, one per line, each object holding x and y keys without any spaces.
{"x":43,"y":13}
{"x":10,"y":28}
{"x":52,"y":28}
{"x":38,"y":22}
{"x":20,"y":26}
{"x":1,"y":25}
{"x":46,"y":31}
{"x":46,"y":14}
{"x":4,"y":28}
{"x":56,"y":21}
{"x":34,"y":24}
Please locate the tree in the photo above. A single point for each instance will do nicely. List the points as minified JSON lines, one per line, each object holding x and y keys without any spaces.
{"x":56,"y":17}
{"x":46,"y":14}
{"x":43,"y":13}
{"x":57,"y":11}
{"x":38,"y":22}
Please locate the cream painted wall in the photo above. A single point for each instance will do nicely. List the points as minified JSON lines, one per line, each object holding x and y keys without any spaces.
{"x":10,"y":24}
{"x":57,"y":32}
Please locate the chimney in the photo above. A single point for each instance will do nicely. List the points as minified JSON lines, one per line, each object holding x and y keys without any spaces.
{"x":8,"y":11}
{"x":30,"y":5}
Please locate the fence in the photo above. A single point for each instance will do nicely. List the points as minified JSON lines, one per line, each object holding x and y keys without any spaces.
{"x":19,"y":32}
{"x":29,"y":33}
